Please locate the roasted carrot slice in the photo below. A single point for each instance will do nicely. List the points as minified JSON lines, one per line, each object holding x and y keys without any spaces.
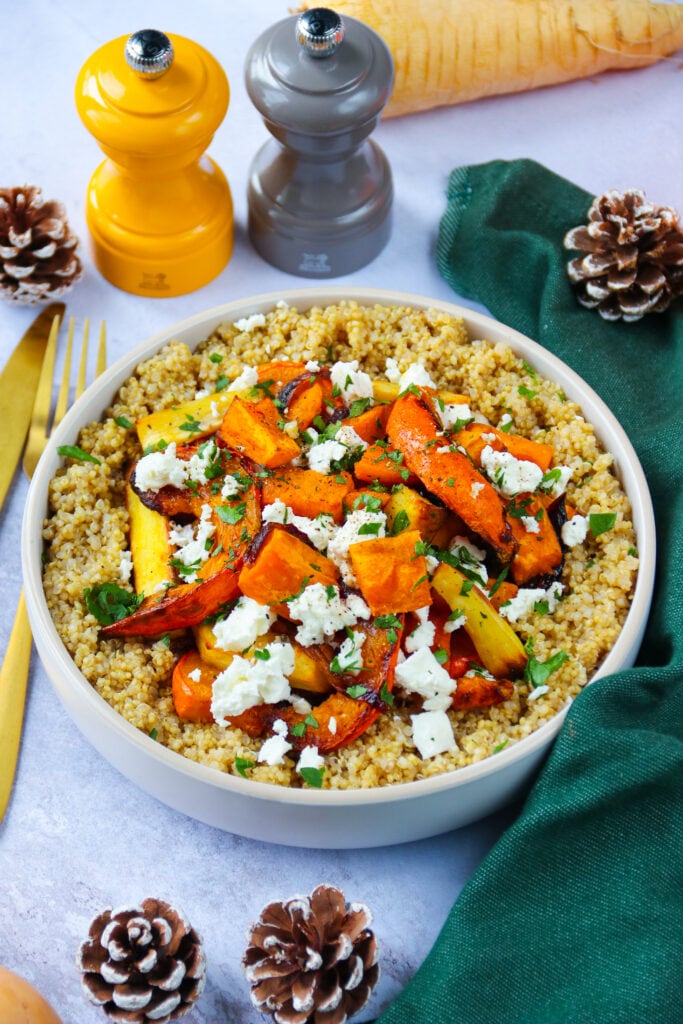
{"x":392,"y":576}
{"x":307,"y":492}
{"x":449,"y":475}
{"x":476,"y":436}
{"x":280,"y":564}
{"x":251,"y":428}
{"x":305,"y":404}
{"x":192,"y":688}
{"x":278,"y":372}
{"x":370,"y":424}
{"x":382,"y":463}
{"x":480,"y":692}
{"x":538,"y":552}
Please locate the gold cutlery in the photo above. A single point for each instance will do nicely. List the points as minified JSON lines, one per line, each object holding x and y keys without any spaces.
{"x":14,"y":671}
{"x":18,"y":383}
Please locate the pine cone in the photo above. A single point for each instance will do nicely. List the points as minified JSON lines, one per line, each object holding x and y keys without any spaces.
{"x":38,"y":261}
{"x":312,"y":960}
{"x":142,"y":963}
{"x":634,"y":256}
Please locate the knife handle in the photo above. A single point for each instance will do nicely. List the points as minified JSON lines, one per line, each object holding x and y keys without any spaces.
{"x":13,"y":680}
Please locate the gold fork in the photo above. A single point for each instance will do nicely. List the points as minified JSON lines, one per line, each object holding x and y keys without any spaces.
{"x":14,"y":671}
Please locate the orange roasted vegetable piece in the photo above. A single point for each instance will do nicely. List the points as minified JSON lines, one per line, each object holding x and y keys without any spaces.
{"x":371,"y":424}
{"x":278,"y":372}
{"x":280,"y":564}
{"x":480,"y":692}
{"x":382,"y":463}
{"x":251,"y":428}
{"x":307,"y":492}
{"x":370,"y":692}
{"x":192,"y":692}
{"x":476,"y":436}
{"x":538,"y":553}
{"x":236,"y":522}
{"x":392,"y":576}
{"x":306,"y":403}
{"x":449,"y":475}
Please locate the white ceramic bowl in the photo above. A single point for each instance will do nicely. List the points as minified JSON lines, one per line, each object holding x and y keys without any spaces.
{"x":307,"y":817}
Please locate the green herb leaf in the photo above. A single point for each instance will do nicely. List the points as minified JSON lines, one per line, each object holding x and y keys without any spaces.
{"x":153,"y":733}
{"x":72,"y":451}
{"x":386,"y":695}
{"x":441,"y":655}
{"x":359,"y":405}
{"x":536,"y":673}
{"x":526,"y":392}
{"x":356,"y":691}
{"x":231,"y":513}
{"x":241,"y":765}
{"x":369,"y":528}
{"x":313,"y":776}
{"x":262,"y":654}
{"x":109,"y":602}
{"x":123,"y":421}
{"x":501,"y":746}
{"x":601,"y":522}
{"x":298,"y":729}
{"x":401,"y":522}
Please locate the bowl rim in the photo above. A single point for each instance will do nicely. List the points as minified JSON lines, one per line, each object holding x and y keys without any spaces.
{"x":71,"y":684}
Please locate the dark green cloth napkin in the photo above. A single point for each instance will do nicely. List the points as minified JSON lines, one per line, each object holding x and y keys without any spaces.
{"x":576,"y":915}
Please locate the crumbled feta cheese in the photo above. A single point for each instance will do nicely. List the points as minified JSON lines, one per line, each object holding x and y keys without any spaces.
{"x":432,"y":564}
{"x":319,"y":531}
{"x":203,"y":458}
{"x":423,"y":635}
{"x":530,"y":524}
{"x":332,"y":725}
{"x":281,"y":304}
{"x":526,"y":597}
{"x":349,"y":657}
{"x":231,"y":487}
{"x":160,"y":469}
{"x":351,"y":382}
{"x":276,"y":746}
{"x":443,"y":449}
{"x":416,"y":376}
{"x":301,"y":705}
{"x":558,"y":486}
{"x":248,"y":323}
{"x":321,"y":456}
{"x":244,"y":683}
{"x":470,"y":557}
{"x":312,"y":365}
{"x":348,"y":436}
{"x":422,"y":674}
{"x":504,"y":420}
{"x":322,"y":612}
{"x":247,"y":379}
{"x":291,"y":428}
{"x":373,"y":525}
{"x":125,"y":566}
{"x":195,"y":675}
{"x":432,"y":733}
{"x":476,"y":488}
{"x":310,"y":758}
{"x":452,"y":414}
{"x":538,"y":692}
{"x":191,"y":544}
{"x":392,"y":371}
{"x":451,"y":625}
{"x":510,"y":475}
{"x":247,"y":621}
{"x":574,"y":530}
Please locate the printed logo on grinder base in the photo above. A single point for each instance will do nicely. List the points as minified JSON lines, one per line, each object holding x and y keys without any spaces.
{"x":315,"y":263}
{"x":154,"y":282}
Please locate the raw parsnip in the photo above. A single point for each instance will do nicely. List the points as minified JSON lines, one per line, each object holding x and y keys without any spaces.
{"x":452,"y":51}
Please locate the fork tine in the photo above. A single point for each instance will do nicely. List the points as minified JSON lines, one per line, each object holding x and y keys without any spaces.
{"x":82,"y":368}
{"x":63,"y":396}
{"x":37,"y":434}
{"x":101,"y":363}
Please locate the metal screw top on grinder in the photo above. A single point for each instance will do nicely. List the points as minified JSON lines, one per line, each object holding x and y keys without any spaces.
{"x":320,"y":191}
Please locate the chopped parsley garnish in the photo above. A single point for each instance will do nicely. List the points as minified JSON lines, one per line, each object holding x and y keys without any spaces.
{"x":601,"y":522}
{"x":441,"y":656}
{"x":313,"y":776}
{"x":216,"y":357}
{"x":359,"y":406}
{"x":123,"y":421}
{"x":109,"y":602}
{"x":261,"y":654}
{"x":391,"y":623}
{"x":72,"y":451}
{"x":190,"y":425}
{"x":242,"y":764}
{"x":369,"y":528}
{"x":401,"y":522}
{"x":536,"y":673}
{"x":231,"y":513}
{"x":153,"y":733}
{"x":526,"y":392}
{"x":530,"y":370}
{"x":356,"y":691}
{"x":501,"y":746}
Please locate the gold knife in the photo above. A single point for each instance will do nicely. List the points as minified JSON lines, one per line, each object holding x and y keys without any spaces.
{"x":18,"y":383}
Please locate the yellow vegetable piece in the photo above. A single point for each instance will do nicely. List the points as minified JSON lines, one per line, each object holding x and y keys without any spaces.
{"x":453,"y":51}
{"x":406,"y":509}
{"x":150,"y":547}
{"x":20,"y":1003}
{"x":498,"y":646}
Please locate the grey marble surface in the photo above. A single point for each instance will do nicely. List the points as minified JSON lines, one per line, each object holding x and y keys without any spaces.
{"x":78,"y":836}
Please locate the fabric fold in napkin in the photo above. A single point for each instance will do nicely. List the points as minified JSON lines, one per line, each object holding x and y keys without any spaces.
{"x":576,"y":914}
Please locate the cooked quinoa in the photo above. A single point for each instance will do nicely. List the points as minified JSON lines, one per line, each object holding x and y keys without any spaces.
{"x":87,"y":542}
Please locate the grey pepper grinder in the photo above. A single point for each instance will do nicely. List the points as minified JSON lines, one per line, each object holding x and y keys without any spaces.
{"x":320,"y":192}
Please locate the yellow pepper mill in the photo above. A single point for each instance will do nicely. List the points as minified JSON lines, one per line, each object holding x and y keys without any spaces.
{"x":159,"y":211}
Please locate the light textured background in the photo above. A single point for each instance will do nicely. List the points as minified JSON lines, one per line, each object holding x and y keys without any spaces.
{"x":77,"y":836}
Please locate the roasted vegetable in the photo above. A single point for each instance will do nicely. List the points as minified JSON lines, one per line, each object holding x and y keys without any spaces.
{"x":307,"y":492}
{"x":280,"y":564}
{"x":499,"y":648}
{"x":252,"y":429}
{"x":477,"y":436}
{"x":539,"y":552}
{"x":407,"y":510}
{"x":392,"y":576}
{"x":448,"y":474}
{"x":478,"y":691}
